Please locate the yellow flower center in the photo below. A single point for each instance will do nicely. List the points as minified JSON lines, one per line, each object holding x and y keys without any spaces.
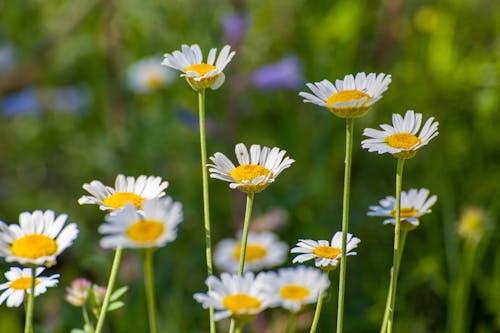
{"x":248,"y":172}
{"x":294,"y":292}
{"x":23,"y":283}
{"x":34,"y":246}
{"x":201,"y":69}
{"x":240,"y":302}
{"x":154,"y":81}
{"x":145,"y":231}
{"x":347,"y":96}
{"x":327,"y":252}
{"x":402,"y":140}
{"x":253,"y":252}
{"x":120,"y":199}
{"x":405,"y":212}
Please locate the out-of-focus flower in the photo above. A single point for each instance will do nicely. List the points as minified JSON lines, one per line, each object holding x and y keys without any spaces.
{"x":148,"y":75}
{"x":294,"y":287}
{"x":23,"y":103}
{"x":72,"y":99}
{"x":351,"y":97}
{"x":401,"y":139}
{"x":200,"y":75}
{"x":239,"y":297}
{"x":38,"y":238}
{"x":19,"y":283}
{"x":326,"y":254}
{"x":472,"y":224}
{"x":78,"y":292}
{"x":284,"y":74}
{"x":414,"y":204}
{"x":264,"y":250}
{"x":127,"y":190}
{"x":7,"y":57}
{"x":258,"y":168}
{"x":271,"y":220}
{"x":235,"y":26}
{"x":154,"y":226}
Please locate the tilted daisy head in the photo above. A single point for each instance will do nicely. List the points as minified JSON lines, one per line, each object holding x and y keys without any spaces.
{"x":127,"y":190}
{"x":414,"y":204}
{"x":326,"y":254}
{"x":401,"y":139}
{"x":38,"y":238}
{"x":19,"y":283}
{"x":148,"y":75}
{"x":294,"y":287}
{"x":154,"y":226}
{"x":258,"y":167}
{"x":199,"y":74}
{"x":264,"y":250}
{"x":350,"y":97}
{"x":238,"y":297}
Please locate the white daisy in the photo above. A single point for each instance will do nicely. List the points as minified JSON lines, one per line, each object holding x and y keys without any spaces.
{"x":326,"y":255}
{"x":239,"y":297}
{"x":401,"y":139}
{"x":154,"y":226}
{"x":127,"y":190}
{"x":19,"y":283}
{"x":350,"y":97}
{"x":264,"y":250}
{"x":258,"y":168}
{"x":199,"y":74}
{"x":414,"y":204}
{"x":38,"y":238}
{"x":294,"y":287}
{"x":148,"y":75}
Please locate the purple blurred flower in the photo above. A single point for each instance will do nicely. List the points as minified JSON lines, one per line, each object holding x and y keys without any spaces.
{"x":7,"y":57}
{"x":284,"y":74}
{"x":71,"y":99}
{"x":235,"y":26}
{"x":24,"y":102}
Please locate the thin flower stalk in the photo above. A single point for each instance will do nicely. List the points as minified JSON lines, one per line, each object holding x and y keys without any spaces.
{"x":28,"y":327}
{"x":292,"y":320}
{"x":150,"y":289}
{"x":317,"y":312}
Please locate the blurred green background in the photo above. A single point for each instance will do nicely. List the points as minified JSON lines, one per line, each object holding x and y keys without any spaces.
{"x":67,"y":116}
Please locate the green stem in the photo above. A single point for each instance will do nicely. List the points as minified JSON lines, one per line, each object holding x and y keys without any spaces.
{"x":86,"y":318}
{"x":345,"y":221}
{"x":150,"y":289}
{"x":232,"y":326}
{"x":397,"y":246}
{"x":30,"y":305}
{"x":246,"y":224}
{"x":317,"y":312}
{"x":109,"y":290}
{"x":290,"y":327}
{"x":206,"y":203}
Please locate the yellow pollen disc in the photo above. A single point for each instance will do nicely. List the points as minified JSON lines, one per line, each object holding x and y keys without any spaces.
{"x":240,"y":302}
{"x":253,"y":252}
{"x":327,"y":252}
{"x":402,"y":140}
{"x":294,"y":292}
{"x":201,"y":69}
{"x":154,"y":81}
{"x":120,"y":199}
{"x":34,"y":246}
{"x":248,"y":172}
{"x":145,"y":231}
{"x":22,"y":283}
{"x":405,"y":212}
{"x":347,"y":96}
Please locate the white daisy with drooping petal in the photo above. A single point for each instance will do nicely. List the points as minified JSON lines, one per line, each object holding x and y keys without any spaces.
{"x":414,"y":204}
{"x":238,"y":297}
{"x":148,"y":75}
{"x":258,"y":167}
{"x":401,"y":139}
{"x":264,"y":250}
{"x":199,"y":74}
{"x":154,"y":226}
{"x":326,"y":254}
{"x":350,"y":97}
{"x":19,"y":283}
{"x":38,"y":238}
{"x":127,"y":190}
{"x":294,"y":287}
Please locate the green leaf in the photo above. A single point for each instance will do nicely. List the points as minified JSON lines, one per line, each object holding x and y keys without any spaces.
{"x":77,"y":330}
{"x":115,"y":306}
{"x":118,"y":293}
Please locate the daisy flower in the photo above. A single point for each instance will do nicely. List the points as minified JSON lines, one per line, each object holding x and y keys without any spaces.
{"x":258,"y":168}
{"x":154,"y":226}
{"x":239,"y":297}
{"x":127,"y":190}
{"x":294,"y":287}
{"x":350,"y":97}
{"x":19,"y":283}
{"x":264,"y":250}
{"x":148,"y":75}
{"x":78,"y":292}
{"x":38,"y":238}
{"x":199,"y":74}
{"x":326,"y":254}
{"x":414,"y":204}
{"x":401,"y":139}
